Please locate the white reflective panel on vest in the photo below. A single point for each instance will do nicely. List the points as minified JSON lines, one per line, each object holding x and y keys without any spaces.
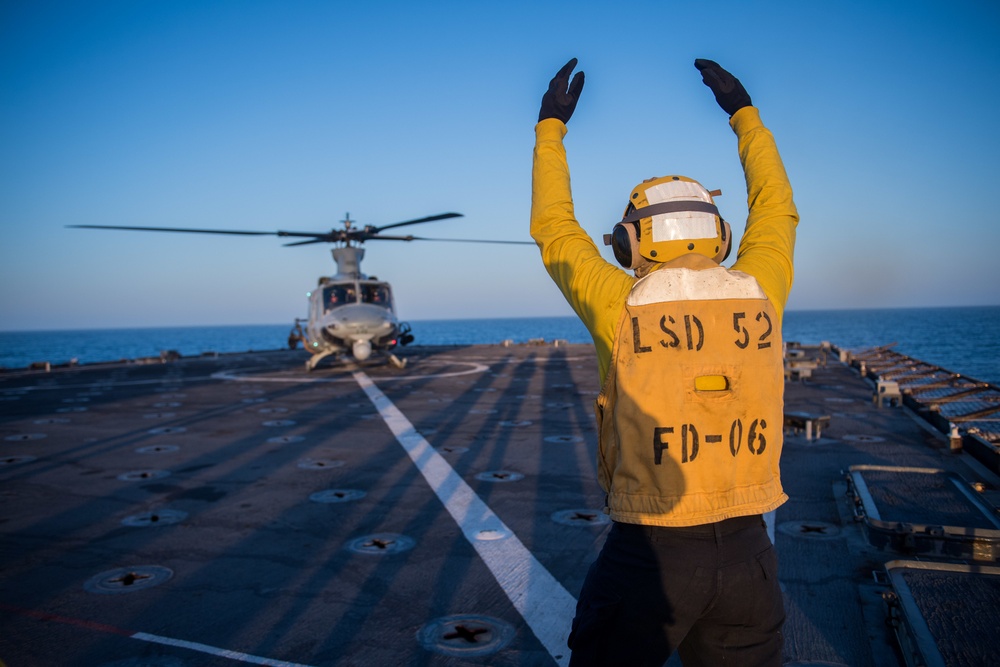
{"x":694,"y":285}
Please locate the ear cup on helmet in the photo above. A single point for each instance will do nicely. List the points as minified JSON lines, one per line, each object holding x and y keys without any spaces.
{"x":625,"y":244}
{"x":726,"y":243}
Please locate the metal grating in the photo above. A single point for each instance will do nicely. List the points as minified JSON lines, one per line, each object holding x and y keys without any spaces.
{"x":945,"y":614}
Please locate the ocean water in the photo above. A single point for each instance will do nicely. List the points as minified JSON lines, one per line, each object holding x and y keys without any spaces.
{"x":963,"y":340}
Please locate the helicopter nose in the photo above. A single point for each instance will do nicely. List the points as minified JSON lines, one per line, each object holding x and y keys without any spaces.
{"x":362,"y":349}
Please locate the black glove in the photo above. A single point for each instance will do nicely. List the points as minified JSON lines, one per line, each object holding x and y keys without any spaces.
{"x":558,"y":102}
{"x":729,"y":92}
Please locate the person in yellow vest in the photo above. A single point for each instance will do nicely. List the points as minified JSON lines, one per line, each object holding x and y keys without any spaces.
{"x":690,"y":409}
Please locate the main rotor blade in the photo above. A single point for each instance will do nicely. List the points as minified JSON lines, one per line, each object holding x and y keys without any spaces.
{"x":321,"y":237}
{"x":431,"y":218}
{"x":421,"y":238}
{"x":289,"y":245}
{"x":178,"y":229}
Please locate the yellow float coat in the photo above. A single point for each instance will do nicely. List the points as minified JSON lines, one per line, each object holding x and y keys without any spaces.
{"x":638,"y":491}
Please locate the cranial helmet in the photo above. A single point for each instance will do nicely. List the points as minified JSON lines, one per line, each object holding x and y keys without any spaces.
{"x":668,"y":217}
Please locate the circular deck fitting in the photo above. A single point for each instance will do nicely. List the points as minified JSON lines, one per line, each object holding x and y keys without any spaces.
{"x":157,"y":449}
{"x":65,"y":410}
{"x":483,"y":411}
{"x":159,"y":415}
{"x":381,"y":544}
{"x":453,"y":450}
{"x":528,"y":397}
{"x":143,"y":475}
{"x":465,"y":635}
{"x":14,"y":460}
{"x":581,"y":517}
{"x":286,"y":439}
{"x":158,"y":518}
{"x":516,"y":423}
{"x":173,"y":395}
{"x":492,"y":534}
{"x":128,"y":579}
{"x":812,"y":530}
{"x":21,"y":437}
{"x":273,"y":411}
{"x":166,"y":430}
{"x":337,"y":496}
{"x":862,"y":437}
{"x":485,"y":390}
{"x":52,"y":420}
{"x":563,"y":385}
{"x":280,"y":422}
{"x":320,"y":464}
{"x":557,"y":405}
{"x":837,"y":399}
{"x":166,"y":404}
{"x":499,"y":476}
{"x":564,"y":439}
{"x":254,"y":400}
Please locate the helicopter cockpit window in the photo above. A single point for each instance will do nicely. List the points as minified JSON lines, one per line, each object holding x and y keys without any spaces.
{"x":338,"y":295}
{"x":377,"y":294}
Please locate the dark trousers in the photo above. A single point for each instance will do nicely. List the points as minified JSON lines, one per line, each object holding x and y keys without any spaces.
{"x":709,"y":592}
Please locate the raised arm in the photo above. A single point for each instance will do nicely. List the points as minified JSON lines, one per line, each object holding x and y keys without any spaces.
{"x":766,"y":248}
{"x":593,"y":287}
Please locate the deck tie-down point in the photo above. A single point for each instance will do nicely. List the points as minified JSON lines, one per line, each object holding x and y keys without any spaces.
{"x":499,"y":476}
{"x":465,"y":635}
{"x":806,"y":528}
{"x":468,"y":634}
{"x":337,"y":495}
{"x":128,"y":579}
{"x":143,"y":475}
{"x":581,"y":517}
{"x":814,"y":530}
{"x":381,"y":543}
{"x":164,"y":517}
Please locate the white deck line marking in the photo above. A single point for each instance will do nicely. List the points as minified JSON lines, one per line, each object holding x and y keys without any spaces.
{"x":212,"y":650}
{"x":542,"y":601}
{"x":244,"y":374}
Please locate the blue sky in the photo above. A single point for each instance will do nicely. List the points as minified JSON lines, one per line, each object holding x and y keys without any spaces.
{"x":286,"y":115}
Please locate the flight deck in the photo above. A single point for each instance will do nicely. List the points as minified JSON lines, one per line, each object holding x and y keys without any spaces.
{"x":234,"y":509}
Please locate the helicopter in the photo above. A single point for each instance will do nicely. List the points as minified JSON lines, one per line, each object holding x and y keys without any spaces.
{"x":350,"y":313}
